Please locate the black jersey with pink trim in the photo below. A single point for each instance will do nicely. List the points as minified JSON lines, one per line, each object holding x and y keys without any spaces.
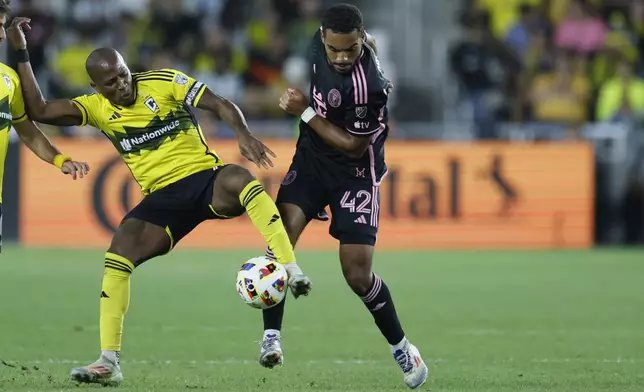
{"x":354,"y":101}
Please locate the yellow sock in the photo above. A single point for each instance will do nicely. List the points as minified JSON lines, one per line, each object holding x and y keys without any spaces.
{"x":262,"y":211}
{"x":115,"y":299}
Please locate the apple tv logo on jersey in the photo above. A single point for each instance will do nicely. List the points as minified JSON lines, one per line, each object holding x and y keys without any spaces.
{"x":361,"y":125}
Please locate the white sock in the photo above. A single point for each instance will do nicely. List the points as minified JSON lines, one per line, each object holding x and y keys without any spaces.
{"x":400,"y":345}
{"x":272,"y":332}
{"x":112,"y":356}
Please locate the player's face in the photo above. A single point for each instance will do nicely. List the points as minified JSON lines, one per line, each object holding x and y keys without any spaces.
{"x":115,"y":84}
{"x":342,"y":49}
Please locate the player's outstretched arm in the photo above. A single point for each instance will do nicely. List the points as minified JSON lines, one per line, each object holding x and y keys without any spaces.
{"x":37,"y":142}
{"x":57,"y":112}
{"x":354,"y":146}
{"x":249,"y":146}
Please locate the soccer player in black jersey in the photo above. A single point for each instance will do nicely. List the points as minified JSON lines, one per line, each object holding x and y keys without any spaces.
{"x":148,"y":118}
{"x":339,"y":162}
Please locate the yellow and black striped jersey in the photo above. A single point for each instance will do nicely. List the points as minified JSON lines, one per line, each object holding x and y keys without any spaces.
{"x":12,"y":110}
{"x":158,"y":137}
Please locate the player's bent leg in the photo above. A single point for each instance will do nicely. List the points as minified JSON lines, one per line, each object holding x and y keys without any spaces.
{"x":356,"y":260}
{"x":270,"y":354}
{"x":295,"y":222}
{"x":235,"y":190}
{"x":134,"y":242}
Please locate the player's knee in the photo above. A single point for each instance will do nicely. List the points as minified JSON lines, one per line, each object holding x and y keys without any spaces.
{"x":125,"y":252}
{"x":356,"y":266}
{"x":136,"y":255}
{"x":359,"y":279}
{"x":235,"y":178}
{"x":138,"y":241}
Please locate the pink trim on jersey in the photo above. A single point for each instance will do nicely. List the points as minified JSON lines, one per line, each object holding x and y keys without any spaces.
{"x":373,"y":168}
{"x":365,"y":88}
{"x":355,"y":87}
{"x":375,"y":206}
{"x":359,"y":85}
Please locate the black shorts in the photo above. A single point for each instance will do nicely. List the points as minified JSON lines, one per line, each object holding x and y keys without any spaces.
{"x":180,"y":206}
{"x":354,"y":202}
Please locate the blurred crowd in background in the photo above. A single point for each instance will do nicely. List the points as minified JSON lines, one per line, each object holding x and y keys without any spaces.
{"x":461,"y":69}
{"x":571,"y":66}
{"x":246,"y":50}
{"x":563,"y":62}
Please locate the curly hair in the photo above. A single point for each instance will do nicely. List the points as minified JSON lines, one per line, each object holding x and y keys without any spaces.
{"x":342,"y":18}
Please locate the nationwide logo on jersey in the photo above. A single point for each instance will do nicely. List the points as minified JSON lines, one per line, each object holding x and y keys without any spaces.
{"x":153,"y":135}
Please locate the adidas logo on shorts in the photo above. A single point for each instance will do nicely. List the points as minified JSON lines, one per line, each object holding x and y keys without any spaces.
{"x":361,"y":219}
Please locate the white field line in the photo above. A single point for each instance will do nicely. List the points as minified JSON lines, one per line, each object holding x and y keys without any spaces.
{"x":374,"y":330}
{"x":254,"y":362}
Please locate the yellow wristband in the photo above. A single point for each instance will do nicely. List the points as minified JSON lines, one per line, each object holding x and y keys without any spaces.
{"x":60,"y":159}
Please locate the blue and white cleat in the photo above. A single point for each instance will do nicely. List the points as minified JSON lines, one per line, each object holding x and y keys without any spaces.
{"x":414,"y":370}
{"x":270,"y":354}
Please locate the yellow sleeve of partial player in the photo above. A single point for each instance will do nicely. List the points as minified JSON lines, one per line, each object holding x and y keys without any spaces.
{"x":17,"y":101}
{"x":186,"y":89}
{"x":88,"y":106}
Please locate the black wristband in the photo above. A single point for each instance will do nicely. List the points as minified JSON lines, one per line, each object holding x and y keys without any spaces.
{"x":22,"y":56}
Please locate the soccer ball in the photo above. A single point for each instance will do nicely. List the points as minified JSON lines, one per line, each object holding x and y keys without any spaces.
{"x":261,"y":282}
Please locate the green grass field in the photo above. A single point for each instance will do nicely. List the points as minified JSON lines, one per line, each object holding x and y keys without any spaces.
{"x":484,"y":321}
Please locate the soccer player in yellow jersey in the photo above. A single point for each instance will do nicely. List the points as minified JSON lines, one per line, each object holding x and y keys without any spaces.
{"x":148,"y":118}
{"x":12,"y":111}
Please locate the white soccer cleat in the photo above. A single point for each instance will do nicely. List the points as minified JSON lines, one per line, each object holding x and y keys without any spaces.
{"x":103,"y":371}
{"x":414,"y":370}
{"x":270,"y":354}
{"x":299,"y":283}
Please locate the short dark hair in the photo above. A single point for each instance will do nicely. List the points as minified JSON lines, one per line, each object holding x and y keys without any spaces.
{"x":5,"y":6}
{"x":342,"y":18}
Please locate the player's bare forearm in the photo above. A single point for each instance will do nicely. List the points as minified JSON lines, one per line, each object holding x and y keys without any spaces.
{"x":226,"y":110}
{"x":36,"y":141}
{"x":57,"y":112}
{"x":61,"y":112}
{"x":30,"y":88}
{"x":250,"y":147}
{"x":351,"y":145}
